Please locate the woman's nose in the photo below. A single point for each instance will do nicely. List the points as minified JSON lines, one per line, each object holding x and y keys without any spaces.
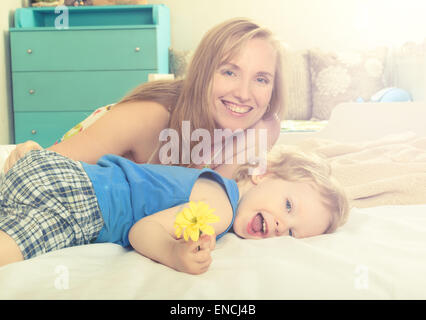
{"x":242,"y":91}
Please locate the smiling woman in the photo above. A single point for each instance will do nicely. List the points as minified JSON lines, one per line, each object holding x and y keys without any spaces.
{"x":234,"y":81}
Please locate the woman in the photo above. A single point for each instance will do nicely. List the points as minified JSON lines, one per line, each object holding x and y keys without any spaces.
{"x":234,"y":81}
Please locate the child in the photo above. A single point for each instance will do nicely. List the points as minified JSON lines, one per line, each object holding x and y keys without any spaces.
{"x":49,"y":202}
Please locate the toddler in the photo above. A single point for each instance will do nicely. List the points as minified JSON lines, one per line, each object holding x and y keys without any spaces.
{"x":49,"y":202}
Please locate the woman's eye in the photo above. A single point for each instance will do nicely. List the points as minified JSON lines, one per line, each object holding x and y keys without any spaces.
{"x":288,"y":205}
{"x":228,"y":73}
{"x":262,"y":80}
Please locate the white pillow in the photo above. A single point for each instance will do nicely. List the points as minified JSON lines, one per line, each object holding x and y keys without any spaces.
{"x":5,"y":150}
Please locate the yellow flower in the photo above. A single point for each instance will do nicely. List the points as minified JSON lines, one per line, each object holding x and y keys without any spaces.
{"x":194,"y":219}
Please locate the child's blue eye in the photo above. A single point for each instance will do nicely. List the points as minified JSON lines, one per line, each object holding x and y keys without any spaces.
{"x":290,"y":233}
{"x":288,"y":205}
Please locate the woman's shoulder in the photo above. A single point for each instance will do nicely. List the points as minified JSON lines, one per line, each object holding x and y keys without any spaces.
{"x":129,"y":129}
{"x":142,"y":122}
{"x":144,"y":118}
{"x":148,"y":108}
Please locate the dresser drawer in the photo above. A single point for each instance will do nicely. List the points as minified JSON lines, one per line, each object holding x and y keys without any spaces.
{"x":65,"y":50}
{"x":45,"y":127}
{"x":72,"y":91}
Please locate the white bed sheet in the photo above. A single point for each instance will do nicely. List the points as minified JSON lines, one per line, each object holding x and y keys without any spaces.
{"x":4,"y":153}
{"x":379,"y":254}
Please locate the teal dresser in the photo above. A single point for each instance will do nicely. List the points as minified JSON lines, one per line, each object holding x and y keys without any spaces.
{"x":60,"y":75}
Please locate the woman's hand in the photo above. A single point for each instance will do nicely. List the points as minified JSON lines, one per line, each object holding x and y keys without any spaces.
{"x":20,"y":150}
{"x":194,"y":257}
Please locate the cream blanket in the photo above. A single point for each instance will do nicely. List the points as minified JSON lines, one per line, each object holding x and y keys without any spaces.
{"x":388,"y":171}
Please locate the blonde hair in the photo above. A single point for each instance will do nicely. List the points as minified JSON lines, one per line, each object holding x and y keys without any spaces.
{"x":190,"y":99}
{"x":292,"y":164}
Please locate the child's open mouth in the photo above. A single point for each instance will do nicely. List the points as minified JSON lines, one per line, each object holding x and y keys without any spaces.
{"x":258,"y":226}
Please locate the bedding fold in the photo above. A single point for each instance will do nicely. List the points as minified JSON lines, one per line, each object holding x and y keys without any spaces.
{"x":386,"y":171}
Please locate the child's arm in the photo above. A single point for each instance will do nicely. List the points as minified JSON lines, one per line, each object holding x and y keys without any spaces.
{"x":154,"y":237}
{"x":150,"y":238}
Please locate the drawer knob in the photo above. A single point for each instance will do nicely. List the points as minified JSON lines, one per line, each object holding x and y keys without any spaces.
{"x":137,"y":49}
{"x":29,"y":51}
{"x":32,"y":91}
{"x":33,"y":131}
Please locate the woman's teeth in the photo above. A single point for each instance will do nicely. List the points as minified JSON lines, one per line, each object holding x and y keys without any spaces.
{"x":263,"y":226}
{"x":235,"y":108}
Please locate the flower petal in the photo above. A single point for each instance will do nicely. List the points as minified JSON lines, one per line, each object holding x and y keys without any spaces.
{"x":206,"y":229}
{"x":211,"y":218}
{"x":193,"y":207}
{"x":194,"y":233}
{"x":186,"y":234}
{"x":188,"y":214}
{"x":194,"y":219}
{"x":181,"y":220}
{"x":178,"y":231}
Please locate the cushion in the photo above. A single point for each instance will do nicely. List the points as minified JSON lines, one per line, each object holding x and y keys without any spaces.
{"x":338,"y":77}
{"x":297,"y":85}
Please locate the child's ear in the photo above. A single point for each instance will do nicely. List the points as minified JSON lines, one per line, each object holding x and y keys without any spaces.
{"x":256,"y":178}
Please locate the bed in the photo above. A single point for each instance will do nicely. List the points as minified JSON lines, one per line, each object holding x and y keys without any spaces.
{"x":380,"y":253}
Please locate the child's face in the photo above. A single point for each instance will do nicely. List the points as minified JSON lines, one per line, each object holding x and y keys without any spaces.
{"x":272,"y":207}
{"x":243,"y":87}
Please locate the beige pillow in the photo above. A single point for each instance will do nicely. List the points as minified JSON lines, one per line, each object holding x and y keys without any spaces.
{"x":343,"y":77}
{"x":297,"y":85}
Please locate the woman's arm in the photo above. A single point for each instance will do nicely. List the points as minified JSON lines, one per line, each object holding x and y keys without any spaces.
{"x":272,"y":127}
{"x":130,"y":129}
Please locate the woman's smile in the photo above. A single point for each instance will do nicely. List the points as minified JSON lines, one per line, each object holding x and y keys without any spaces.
{"x":236,"y":109}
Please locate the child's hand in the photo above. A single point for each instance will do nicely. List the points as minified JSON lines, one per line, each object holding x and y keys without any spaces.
{"x":194,"y":257}
{"x":20,"y":150}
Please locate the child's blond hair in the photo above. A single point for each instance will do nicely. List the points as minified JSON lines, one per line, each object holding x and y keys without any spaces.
{"x":292,"y":164}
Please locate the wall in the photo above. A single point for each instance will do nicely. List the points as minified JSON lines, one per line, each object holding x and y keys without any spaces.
{"x":328,"y":24}
{"x":410,"y":71}
{"x":7,"y":8}
{"x":305,"y":23}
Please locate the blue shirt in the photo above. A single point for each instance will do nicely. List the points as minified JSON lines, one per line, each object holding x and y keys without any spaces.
{"x":128,"y":191}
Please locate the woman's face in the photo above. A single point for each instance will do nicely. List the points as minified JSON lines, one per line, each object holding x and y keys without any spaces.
{"x":242,"y":87}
